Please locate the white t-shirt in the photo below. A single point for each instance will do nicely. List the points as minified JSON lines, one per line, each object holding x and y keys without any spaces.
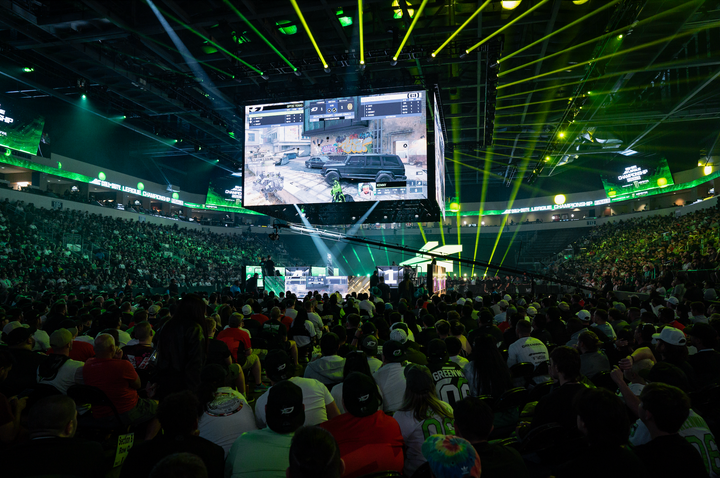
{"x":527,"y":349}
{"x":416,"y":432}
{"x":315,"y":398}
{"x":462,"y":361}
{"x":225,"y":418}
{"x":695,"y":431}
{"x":391,"y":380}
{"x":317,"y":322}
{"x":68,"y":375}
{"x":374,"y":363}
{"x":292,"y":313}
{"x":303,"y":340}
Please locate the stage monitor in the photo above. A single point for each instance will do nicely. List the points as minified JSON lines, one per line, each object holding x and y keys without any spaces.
{"x":439,"y":134}
{"x":298,"y":271}
{"x":19,"y":128}
{"x":392,"y":275}
{"x":225,"y":190}
{"x":630,"y":179}
{"x":340,"y":154}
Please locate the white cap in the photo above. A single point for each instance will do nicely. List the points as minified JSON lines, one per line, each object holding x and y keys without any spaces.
{"x":584,"y":315}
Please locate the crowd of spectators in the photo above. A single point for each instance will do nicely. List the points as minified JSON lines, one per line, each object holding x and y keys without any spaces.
{"x":40,"y":255}
{"x":244,"y":383}
{"x":646,"y":254}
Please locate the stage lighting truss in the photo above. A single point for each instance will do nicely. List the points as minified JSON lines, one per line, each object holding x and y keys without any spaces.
{"x":492,"y":51}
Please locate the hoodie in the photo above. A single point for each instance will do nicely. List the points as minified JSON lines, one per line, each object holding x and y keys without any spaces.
{"x":328,"y":370}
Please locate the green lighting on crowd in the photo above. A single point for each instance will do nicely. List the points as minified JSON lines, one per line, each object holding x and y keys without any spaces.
{"x":175,"y":196}
{"x":101,"y":176}
{"x":140,"y":186}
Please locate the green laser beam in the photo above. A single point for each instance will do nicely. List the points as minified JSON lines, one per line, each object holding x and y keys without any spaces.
{"x":483,"y":195}
{"x":242,"y":17}
{"x":528,"y":12}
{"x":213,"y":43}
{"x":362,"y":36}
{"x":597,"y":39}
{"x":410,"y":29}
{"x":620,"y":53}
{"x":309,"y":33}
{"x":422,"y":232}
{"x":433,"y":54}
{"x":579,"y":20}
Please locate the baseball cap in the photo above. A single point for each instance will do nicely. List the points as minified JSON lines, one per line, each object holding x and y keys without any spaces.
{"x":451,"y":457}
{"x":584,"y":315}
{"x":461,"y":301}
{"x":666,"y":373}
{"x":279,"y":365}
{"x":418,"y":378}
{"x":661,"y":290}
{"x":388,"y":306}
{"x":60,"y":338}
{"x":10,"y":326}
{"x":563,"y":306}
{"x":531,"y":311}
{"x":246,"y":310}
{"x":393,"y":351}
{"x":704,"y":332}
{"x":437,"y":351}
{"x":672,"y":300}
{"x":213,"y":373}
{"x":503,"y":303}
{"x":153,"y":309}
{"x":360,"y":395}
{"x":507,"y":297}
{"x":619,"y":306}
{"x":399,"y":335}
{"x":18,"y":336}
{"x":670,"y":335}
{"x":369,"y":345}
{"x":285,"y":411}
{"x":521,"y":302}
{"x":478,"y":299}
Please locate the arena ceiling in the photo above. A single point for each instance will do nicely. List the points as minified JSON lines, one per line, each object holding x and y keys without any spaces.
{"x":576,"y":84}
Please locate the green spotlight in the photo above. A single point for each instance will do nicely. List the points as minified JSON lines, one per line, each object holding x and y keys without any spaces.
{"x":28,"y":70}
{"x":620,"y":37}
{"x":454,"y":207}
{"x":101,"y":176}
{"x":8,"y":152}
{"x":59,"y":165}
{"x":175,"y":196}
{"x":286,"y":30}
{"x":410,"y":29}
{"x":561,"y":134}
{"x":140,"y":186}
{"x":84,"y":97}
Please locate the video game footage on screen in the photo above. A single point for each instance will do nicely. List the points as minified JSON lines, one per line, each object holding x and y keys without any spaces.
{"x":349,"y":149}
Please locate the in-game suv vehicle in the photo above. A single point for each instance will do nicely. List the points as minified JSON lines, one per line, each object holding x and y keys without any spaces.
{"x":367,"y":167}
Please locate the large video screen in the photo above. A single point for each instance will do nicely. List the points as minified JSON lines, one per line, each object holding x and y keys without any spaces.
{"x":19,"y":129}
{"x":346,"y":149}
{"x":225,"y":190}
{"x":392,"y":275}
{"x":439,"y":157}
{"x":624,"y":180}
{"x":300,"y":286}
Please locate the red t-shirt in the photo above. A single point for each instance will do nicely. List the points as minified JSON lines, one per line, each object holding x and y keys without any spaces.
{"x":233,"y":337}
{"x":503,"y":326}
{"x":287,"y":321}
{"x":260,"y":318}
{"x":677,"y":325}
{"x":81,"y":351}
{"x":367,"y":444}
{"x":113,"y":377}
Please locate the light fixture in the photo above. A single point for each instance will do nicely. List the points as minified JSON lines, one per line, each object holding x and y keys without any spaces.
{"x":393,"y":62}
{"x":510,"y":4}
{"x":398,"y":11}
{"x":561,"y":134}
{"x":580,"y":2}
{"x":560,"y":199}
{"x":707,"y":170}
{"x":507,"y":25}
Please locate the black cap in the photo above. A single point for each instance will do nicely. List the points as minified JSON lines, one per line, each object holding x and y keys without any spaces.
{"x":285,"y":411}
{"x":213,"y":373}
{"x":419,"y":378}
{"x":369,"y":345}
{"x":19,"y":335}
{"x":393,"y":351}
{"x":279,"y":365}
{"x":437,"y":351}
{"x":360,"y":395}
